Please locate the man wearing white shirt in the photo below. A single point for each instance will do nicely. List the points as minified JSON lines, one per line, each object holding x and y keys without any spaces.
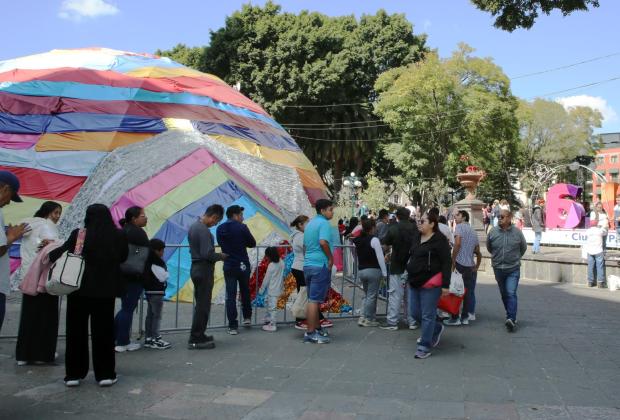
{"x":596,"y":257}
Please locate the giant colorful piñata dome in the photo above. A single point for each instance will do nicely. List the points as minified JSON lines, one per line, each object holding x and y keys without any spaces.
{"x":123,"y":129}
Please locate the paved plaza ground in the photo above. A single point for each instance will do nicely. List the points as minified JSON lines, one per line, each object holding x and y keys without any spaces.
{"x":563,"y":363}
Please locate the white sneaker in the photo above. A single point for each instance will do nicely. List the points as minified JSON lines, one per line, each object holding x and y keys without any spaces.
{"x":414,"y":325}
{"x":270,"y":327}
{"x":72,"y":383}
{"x":22,"y":363}
{"x":360,"y":321}
{"x":472,"y":317}
{"x":452,"y":322}
{"x":128,"y":347}
{"x":107,"y":382}
{"x":368,"y":323}
{"x":120,"y":349}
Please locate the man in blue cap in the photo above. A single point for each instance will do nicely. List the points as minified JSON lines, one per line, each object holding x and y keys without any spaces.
{"x":9,"y":187}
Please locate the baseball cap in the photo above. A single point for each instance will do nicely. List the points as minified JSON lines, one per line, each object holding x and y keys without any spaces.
{"x":11,"y":180}
{"x":232,"y":210}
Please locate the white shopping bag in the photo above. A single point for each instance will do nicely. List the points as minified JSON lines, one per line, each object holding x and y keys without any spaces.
{"x":457,"y":287}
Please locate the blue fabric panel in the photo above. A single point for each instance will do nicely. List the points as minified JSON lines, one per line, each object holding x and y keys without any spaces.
{"x":73,"y":163}
{"x":78,"y":121}
{"x":111,"y":93}
{"x":284,"y":142}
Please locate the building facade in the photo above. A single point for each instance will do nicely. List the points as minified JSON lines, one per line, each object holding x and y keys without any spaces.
{"x":607,"y":163}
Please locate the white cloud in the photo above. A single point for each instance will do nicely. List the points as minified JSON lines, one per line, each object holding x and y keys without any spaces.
{"x":77,"y":10}
{"x":594,"y":102}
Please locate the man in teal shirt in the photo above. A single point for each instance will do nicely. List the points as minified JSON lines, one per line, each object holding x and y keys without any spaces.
{"x":318,"y":262}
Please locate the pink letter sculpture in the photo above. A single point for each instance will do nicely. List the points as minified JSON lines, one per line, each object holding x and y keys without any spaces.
{"x":562,"y":210}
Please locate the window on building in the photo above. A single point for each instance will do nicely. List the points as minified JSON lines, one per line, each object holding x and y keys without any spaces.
{"x":600,"y":160}
{"x":613,"y":159}
{"x":396,"y":199}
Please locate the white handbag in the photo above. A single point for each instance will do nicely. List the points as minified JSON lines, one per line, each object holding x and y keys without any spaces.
{"x":65,"y":275}
{"x":299,"y":306}
{"x":457,"y":286}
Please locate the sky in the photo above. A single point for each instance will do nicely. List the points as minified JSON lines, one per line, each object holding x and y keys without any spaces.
{"x":33,"y":26}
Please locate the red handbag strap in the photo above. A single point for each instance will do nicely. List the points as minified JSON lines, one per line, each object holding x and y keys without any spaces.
{"x":79,"y":243}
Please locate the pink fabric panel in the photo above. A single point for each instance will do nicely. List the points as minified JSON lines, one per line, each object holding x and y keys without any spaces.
{"x":18,"y":141}
{"x":149,"y":191}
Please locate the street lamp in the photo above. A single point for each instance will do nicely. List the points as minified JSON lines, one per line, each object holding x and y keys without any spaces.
{"x":352,"y":182}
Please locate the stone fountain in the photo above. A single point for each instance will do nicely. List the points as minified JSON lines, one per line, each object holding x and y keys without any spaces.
{"x":470,"y":180}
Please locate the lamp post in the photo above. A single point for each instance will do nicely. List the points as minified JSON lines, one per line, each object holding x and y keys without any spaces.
{"x":352,"y":182}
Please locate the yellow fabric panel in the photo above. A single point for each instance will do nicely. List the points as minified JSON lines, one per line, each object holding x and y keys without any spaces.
{"x":310,"y":179}
{"x":82,"y":140}
{"x":244,"y":146}
{"x":162,"y":72}
{"x":178,"y":124}
{"x":186,"y":294}
{"x":182,"y":196}
{"x":16,"y":212}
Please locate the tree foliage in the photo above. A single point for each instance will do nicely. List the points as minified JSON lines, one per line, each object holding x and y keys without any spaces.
{"x":376,"y":192}
{"x":294,"y":65}
{"x":444,"y":109}
{"x":512,"y":14}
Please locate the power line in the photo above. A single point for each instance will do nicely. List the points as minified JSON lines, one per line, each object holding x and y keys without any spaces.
{"x":567,"y":66}
{"x":343,"y":123}
{"x":600,"y":82}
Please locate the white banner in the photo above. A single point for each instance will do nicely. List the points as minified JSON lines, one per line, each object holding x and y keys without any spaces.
{"x":574,"y":237}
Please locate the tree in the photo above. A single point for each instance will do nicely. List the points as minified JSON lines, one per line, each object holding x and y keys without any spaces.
{"x":189,"y":56}
{"x":443,"y":109}
{"x":513,"y":14}
{"x":298,"y":66}
{"x":375,"y":195}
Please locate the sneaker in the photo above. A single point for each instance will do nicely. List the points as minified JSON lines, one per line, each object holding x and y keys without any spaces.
{"x":315,"y":338}
{"x":510,"y":325}
{"x":22,"y":363}
{"x":159,"y":344}
{"x":326,"y":323}
{"x":128,"y":347}
{"x":71,"y":383}
{"x":465,"y":321}
{"x":360,"y":321}
{"x":452,"y":322}
{"x":322,"y":332}
{"x":602,"y":286}
{"x":422,"y":354}
{"x":436,"y":341}
{"x":301,"y":325}
{"x":233,"y":331}
{"x":471,"y":317}
{"x":148,"y":342}
{"x":107,"y":382}
{"x":591,"y":284}
{"x":202,"y":345}
{"x":270,"y":327}
{"x":414,"y":325}
{"x":443,"y":314}
{"x":247,"y":322}
{"x":368,"y":323}
{"x":388,"y":327}
{"x":419,"y":340}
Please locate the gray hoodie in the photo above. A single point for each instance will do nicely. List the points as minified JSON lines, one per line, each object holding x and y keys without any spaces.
{"x":506,"y":247}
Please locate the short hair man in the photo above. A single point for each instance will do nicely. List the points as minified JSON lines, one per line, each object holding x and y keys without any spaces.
{"x":382,"y":224}
{"x":235,"y":237}
{"x":204,"y":257}
{"x":506,"y":244}
{"x":318,"y":262}
{"x":443,"y":226}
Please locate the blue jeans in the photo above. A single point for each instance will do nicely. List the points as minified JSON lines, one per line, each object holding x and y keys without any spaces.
{"x":232,"y":278}
{"x":2,"y":308}
{"x":597,"y":262}
{"x":425,"y":306}
{"x":508,"y":281}
{"x":124,"y":317}
{"x":472,"y":299}
{"x":468,"y":281}
{"x":537,"y":238}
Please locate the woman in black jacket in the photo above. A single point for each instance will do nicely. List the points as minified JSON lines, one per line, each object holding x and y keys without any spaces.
{"x":133,"y":223}
{"x":429,"y":277}
{"x":105,"y":248}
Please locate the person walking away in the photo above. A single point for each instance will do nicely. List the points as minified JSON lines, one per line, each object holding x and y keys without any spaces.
{"x":600,"y":215}
{"x":38,"y":322}
{"x":104,"y":249}
{"x":617,"y":219}
{"x":318,"y":263}
{"x":234,"y":238}
{"x":133,"y":225}
{"x":382,"y":224}
{"x":155,"y":283}
{"x":371,"y":263}
{"x":443,"y":225}
{"x":204,"y":257}
{"x":506,"y":244}
{"x":272,"y":284}
{"x":596,"y":256}
{"x":429,"y":277}
{"x":495,"y":209}
{"x":538,"y":225}
{"x":9,"y":188}
{"x":400,"y":238}
{"x":486,"y":217}
{"x":466,"y":245}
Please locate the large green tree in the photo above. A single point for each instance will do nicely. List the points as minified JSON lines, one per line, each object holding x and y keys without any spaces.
{"x":298,"y":65}
{"x":513,"y":14}
{"x":444,"y":109}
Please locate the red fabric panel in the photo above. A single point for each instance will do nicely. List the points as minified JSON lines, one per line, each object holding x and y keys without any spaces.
{"x":315,"y":194}
{"x":215,"y":89}
{"x":46,"y":185}
{"x":27,"y":105}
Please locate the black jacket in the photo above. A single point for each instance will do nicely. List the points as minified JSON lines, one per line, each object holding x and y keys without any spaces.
{"x":102,"y":273}
{"x":428,"y":259}
{"x":401,"y":237}
{"x":151,"y":284}
{"x":135,"y":236}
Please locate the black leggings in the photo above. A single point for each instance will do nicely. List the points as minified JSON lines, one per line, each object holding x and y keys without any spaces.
{"x":301,"y":281}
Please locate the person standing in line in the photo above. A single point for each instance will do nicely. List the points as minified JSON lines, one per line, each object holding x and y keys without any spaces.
{"x":400,"y":237}
{"x":234,"y":238}
{"x":272,"y":284}
{"x":617,"y":219}
{"x":466,"y":245}
{"x":596,"y":256}
{"x":506,"y":244}
{"x":297,"y":240}
{"x":155,"y":283}
{"x":486,"y":217}
{"x":443,"y":225}
{"x":371,"y":263}
{"x":9,"y":187}
{"x":38,"y":322}
{"x":204,"y":257}
{"x":429,"y":278}
{"x":495,"y":209}
{"x":318,"y":263}
{"x":104,"y":249}
{"x":382,"y":224}
{"x":538,"y":225}
{"x":600,"y":215}
{"x":133,"y":225}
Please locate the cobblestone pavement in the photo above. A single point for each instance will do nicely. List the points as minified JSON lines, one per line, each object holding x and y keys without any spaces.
{"x":563,"y":363}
